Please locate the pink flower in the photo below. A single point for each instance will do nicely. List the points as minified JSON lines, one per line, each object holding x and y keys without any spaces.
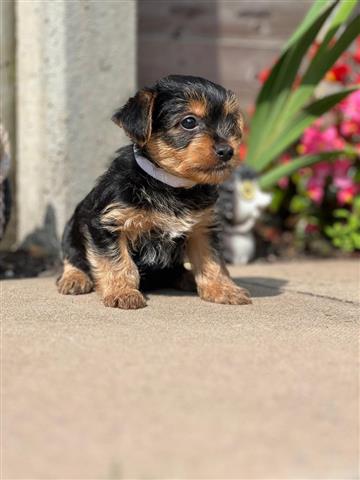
{"x":322,"y":170}
{"x":346,"y":187}
{"x":343,"y":183}
{"x":345,"y":195}
{"x":284,"y":182}
{"x":315,"y":189}
{"x":315,"y":140}
{"x":349,"y":128}
{"x":341,"y":167}
{"x":350,"y":107}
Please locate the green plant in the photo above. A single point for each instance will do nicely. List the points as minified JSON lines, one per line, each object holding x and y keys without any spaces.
{"x":285,"y":106}
{"x":270,"y":178}
{"x":345,"y":233}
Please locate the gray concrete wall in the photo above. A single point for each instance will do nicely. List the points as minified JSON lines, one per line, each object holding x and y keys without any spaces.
{"x":7,"y":95}
{"x":75,"y":64}
{"x":7,"y":65}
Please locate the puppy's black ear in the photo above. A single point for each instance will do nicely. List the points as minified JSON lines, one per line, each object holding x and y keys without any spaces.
{"x":135,"y":117}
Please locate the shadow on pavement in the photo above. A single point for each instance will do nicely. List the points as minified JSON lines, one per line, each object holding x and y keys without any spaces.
{"x":257,"y":286}
{"x":261,"y":286}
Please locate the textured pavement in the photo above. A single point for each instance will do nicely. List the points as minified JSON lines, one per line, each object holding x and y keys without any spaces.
{"x":184,"y":388}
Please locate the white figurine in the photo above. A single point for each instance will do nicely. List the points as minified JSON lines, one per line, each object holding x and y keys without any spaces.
{"x":247,"y":203}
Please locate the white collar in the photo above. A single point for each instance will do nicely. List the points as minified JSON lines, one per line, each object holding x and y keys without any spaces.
{"x":159,"y":173}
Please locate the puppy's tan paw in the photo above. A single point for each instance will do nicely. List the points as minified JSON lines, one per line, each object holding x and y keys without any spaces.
{"x":226,"y":294}
{"x":127,"y":299}
{"x":74,"y":282}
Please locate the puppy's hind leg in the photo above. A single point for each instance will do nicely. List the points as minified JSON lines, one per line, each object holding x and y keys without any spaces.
{"x":75,"y":278}
{"x":74,"y":281}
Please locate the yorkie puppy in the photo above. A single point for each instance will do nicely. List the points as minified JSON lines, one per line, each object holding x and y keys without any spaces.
{"x":154,"y":207}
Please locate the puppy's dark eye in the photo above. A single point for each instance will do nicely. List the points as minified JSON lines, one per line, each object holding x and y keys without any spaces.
{"x":189,"y":123}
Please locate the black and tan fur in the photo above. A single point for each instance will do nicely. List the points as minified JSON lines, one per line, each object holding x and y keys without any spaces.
{"x":133,"y":232}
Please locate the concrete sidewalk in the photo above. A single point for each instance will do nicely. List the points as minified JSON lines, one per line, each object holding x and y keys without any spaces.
{"x":184,"y":388}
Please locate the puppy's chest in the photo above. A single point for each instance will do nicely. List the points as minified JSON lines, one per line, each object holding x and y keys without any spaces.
{"x":158,"y":249}
{"x":171,"y":227}
{"x":155,"y":237}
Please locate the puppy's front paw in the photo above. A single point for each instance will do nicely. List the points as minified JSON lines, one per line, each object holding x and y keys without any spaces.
{"x":74,"y":283}
{"x":228,"y":294}
{"x":127,"y":299}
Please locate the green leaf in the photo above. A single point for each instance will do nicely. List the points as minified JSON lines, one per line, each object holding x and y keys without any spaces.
{"x":278,"y":86}
{"x":348,"y":246}
{"x":326,"y":61}
{"x":353,"y":222}
{"x":357,"y":206}
{"x":270,"y":178}
{"x":314,"y":11}
{"x":303,"y":120}
{"x":341,"y":213}
{"x":277,"y":199}
{"x":323,"y":61}
{"x":337,"y":242}
{"x":338,"y":228}
{"x":278,"y":104}
{"x":355,"y":237}
{"x":299,"y":203}
{"x":337,"y":20}
{"x":329,"y":231}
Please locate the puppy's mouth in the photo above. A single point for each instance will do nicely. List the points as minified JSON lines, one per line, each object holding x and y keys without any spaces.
{"x":222,"y":167}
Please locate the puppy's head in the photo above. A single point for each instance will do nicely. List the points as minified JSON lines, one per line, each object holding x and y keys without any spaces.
{"x":187,"y":125}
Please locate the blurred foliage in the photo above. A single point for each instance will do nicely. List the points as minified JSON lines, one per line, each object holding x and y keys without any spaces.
{"x":345,"y":233}
{"x":287,"y":104}
{"x":304,"y":137}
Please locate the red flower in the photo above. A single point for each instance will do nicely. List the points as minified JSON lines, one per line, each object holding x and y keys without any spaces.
{"x":314,"y":49}
{"x":338,"y":73}
{"x":264,"y":75}
{"x":311,"y":228}
{"x":356,"y":56}
{"x":242,"y":151}
{"x":297,"y":81}
{"x":250,"y":109}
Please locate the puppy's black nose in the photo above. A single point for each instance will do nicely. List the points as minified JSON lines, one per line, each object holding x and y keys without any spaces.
{"x":224,"y":151}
